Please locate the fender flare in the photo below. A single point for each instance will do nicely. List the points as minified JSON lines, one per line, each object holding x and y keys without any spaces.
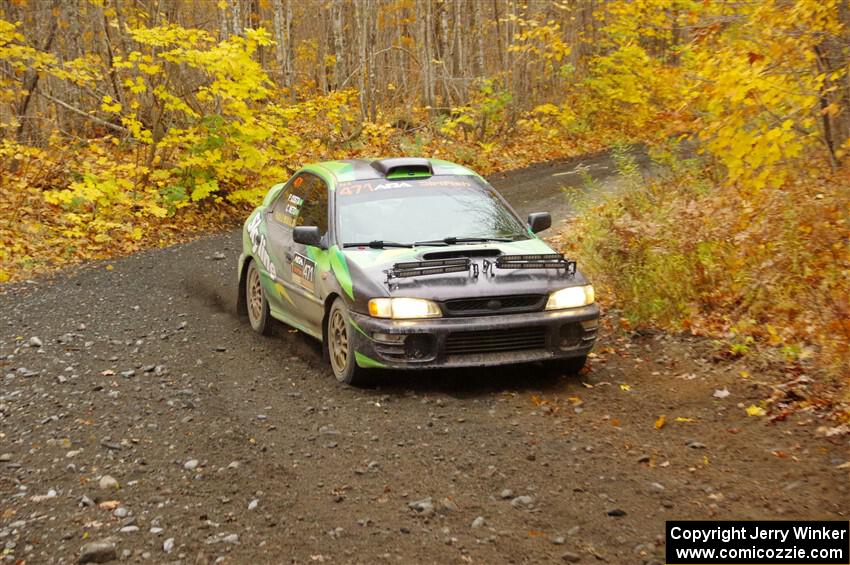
{"x":241,"y":300}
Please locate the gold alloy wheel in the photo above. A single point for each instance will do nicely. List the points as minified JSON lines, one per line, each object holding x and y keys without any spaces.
{"x":338,"y":342}
{"x":255,"y":296}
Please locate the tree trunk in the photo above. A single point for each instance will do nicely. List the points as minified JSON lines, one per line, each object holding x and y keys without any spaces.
{"x":478,"y":30}
{"x":426,"y":54}
{"x":236,"y":13}
{"x":362,"y":18}
{"x":444,"y":55}
{"x":223,"y":22}
{"x":282,"y":21}
{"x":31,"y":84}
{"x":340,"y":68}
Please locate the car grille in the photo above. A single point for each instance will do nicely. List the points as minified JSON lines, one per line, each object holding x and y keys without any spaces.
{"x":487,"y":341}
{"x":489,"y":305}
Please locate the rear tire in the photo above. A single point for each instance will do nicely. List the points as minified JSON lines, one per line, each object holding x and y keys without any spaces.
{"x":340,"y":350}
{"x":256,"y":301}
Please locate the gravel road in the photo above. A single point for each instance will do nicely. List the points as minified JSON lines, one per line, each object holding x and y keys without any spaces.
{"x":140,"y":420}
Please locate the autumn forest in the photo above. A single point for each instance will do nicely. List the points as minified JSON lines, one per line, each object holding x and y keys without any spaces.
{"x":130,"y":124}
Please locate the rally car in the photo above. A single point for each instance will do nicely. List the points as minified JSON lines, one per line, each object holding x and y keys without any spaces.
{"x":410,"y":263}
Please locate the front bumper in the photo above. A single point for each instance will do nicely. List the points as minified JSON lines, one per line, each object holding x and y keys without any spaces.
{"x":474,"y":341}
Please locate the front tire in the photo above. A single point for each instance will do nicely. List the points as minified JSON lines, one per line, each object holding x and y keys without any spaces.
{"x":256,"y":301}
{"x":573,"y":365}
{"x":340,"y":349}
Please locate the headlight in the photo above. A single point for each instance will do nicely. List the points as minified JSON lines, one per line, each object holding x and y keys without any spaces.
{"x":572,"y":297}
{"x":403,"y":308}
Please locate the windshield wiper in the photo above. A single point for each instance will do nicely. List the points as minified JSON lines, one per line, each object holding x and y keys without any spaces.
{"x":456,"y":240}
{"x":378,"y":244}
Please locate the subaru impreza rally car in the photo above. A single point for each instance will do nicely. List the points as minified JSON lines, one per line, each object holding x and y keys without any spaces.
{"x":410,"y":263}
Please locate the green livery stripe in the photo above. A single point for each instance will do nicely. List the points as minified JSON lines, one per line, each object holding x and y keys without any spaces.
{"x":341,"y":272}
{"x":287,"y":319}
{"x":406,"y":174}
{"x":367,"y":362}
{"x":357,"y":327}
{"x":279,"y":287}
{"x":321,"y":257}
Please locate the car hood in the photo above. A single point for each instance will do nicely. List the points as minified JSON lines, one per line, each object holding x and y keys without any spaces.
{"x":369,"y":278}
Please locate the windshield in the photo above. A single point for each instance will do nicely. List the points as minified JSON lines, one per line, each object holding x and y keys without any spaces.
{"x":412,"y":210}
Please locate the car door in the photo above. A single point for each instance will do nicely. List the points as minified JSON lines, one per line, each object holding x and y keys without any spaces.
{"x":304,"y":202}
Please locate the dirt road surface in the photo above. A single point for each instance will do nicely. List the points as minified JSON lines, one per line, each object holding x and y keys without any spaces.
{"x":138,"y":414}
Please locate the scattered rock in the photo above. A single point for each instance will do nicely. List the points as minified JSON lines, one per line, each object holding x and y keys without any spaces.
{"x":108,"y":482}
{"x":102,"y":551}
{"x":168,"y":545}
{"x":447,"y":505}
{"x":616,"y":512}
{"x":35,"y":342}
{"x":571,"y":557}
{"x":422,"y":507}
{"x":219,"y":256}
{"x":191,"y":464}
{"x":523,"y":500}
{"x":560,"y":540}
{"x":253,"y":504}
{"x":478,"y":522}
{"x":506,"y":494}
{"x":129,"y":529}
{"x":695,"y":445}
{"x":231,"y":538}
{"x":656,"y":488}
{"x":721,"y":393}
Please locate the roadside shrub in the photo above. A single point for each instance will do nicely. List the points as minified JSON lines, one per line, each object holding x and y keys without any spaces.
{"x":682,"y":251}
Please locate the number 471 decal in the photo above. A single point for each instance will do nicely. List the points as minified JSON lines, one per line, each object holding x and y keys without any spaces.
{"x":303,"y":272}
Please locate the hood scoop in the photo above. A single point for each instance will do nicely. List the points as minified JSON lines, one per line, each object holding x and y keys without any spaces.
{"x":460,"y":253}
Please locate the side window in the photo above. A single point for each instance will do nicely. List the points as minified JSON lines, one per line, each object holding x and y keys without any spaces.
{"x":303,"y":203}
{"x":287,"y":208}
{"x":314,"y":211}
{"x":282,"y":209}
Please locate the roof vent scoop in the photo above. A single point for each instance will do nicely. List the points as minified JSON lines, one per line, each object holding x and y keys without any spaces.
{"x":403,"y":167}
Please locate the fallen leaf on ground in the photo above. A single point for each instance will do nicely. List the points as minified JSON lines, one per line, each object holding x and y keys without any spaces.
{"x":659,"y":423}
{"x":753,"y":410}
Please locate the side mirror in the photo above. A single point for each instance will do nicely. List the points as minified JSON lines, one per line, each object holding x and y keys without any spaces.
{"x":307,"y":235}
{"x":539,"y":221}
